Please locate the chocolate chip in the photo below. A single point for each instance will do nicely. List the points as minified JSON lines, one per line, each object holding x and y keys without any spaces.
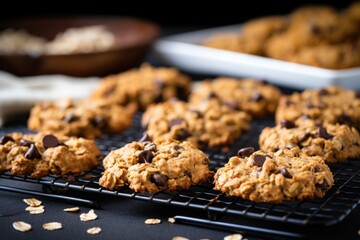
{"x":310,"y":106}
{"x":145,"y":156}
{"x":187,"y":173}
{"x":26,"y":143}
{"x":245,"y":152}
{"x":344,"y":119}
{"x":5,"y":139}
{"x":159,"y":179}
{"x":323,"y":92}
{"x":256,"y":96}
{"x":32,"y":153}
{"x":159,"y":83}
{"x":150,"y":147}
{"x":182,"y":134}
{"x":181,"y":92}
{"x":357,"y":94}
{"x":211,"y":95}
{"x":259,"y":160}
{"x":145,"y":138}
{"x":287,"y":124}
{"x":264,"y":82}
{"x":177,"y":147}
{"x":70,"y":118}
{"x":289,"y":103}
{"x":50,"y":141}
{"x":231,"y":104}
{"x":99,"y":122}
{"x":324,"y":134}
{"x":323,"y":186}
{"x":175,"y":122}
{"x":197,"y":113}
{"x":285,"y":173}
{"x":317,"y":169}
{"x":158,"y":97}
{"x":109,"y":91}
{"x":305,"y":137}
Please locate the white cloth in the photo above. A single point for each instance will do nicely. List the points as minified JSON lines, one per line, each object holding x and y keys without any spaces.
{"x":19,"y":94}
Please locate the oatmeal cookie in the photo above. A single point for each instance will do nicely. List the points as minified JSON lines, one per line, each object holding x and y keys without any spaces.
{"x":257,"y":98}
{"x":274,"y":176}
{"x":333,"y":142}
{"x":335,"y":56}
{"x":331,"y":104}
{"x":88,"y":118}
{"x":38,"y":155}
{"x":162,"y":165}
{"x":144,"y":86}
{"x":206,"y":123}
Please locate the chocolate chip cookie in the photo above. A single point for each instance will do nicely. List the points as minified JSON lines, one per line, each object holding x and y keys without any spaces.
{"x":88,"y":118}
{"x":204,"y":123}
{"x":274,"y":177}
{"x":333,"y":142}
{"x":162,"y":165}
{"x":38,"y":155}
{"x":144,"y":86}
{"x":331,"y":104}
{"x":257,"y":98}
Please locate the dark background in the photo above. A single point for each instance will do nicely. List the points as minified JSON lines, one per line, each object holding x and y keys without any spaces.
{"x":170,"y":13}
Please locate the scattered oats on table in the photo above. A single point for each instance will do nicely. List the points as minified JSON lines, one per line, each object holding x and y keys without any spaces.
{"x":152,"y":221}
{"x":21,"y":226}
{"x":93,"y":230}
{"x":179,"y":238}
{"x":171,"y":220}
{"x":88,"y":216}
{"x":234,"y":237}
{"x":33,"y":202}
{"x":73,"y":209}
{"x":52,"y":226}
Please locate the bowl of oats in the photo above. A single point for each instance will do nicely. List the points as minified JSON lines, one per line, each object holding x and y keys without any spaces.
{"x":79,"y":46}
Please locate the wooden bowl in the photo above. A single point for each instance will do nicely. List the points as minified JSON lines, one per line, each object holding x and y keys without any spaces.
{"x":133,"y":39}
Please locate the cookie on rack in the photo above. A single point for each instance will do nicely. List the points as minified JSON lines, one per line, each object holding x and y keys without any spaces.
{"x":274,"y":177}
{"x":333,"y":142}
{"x":331,"y":104}
{"x":204,"y":123}
{"x":161,"y":165}
{"x":144,"y":86}
{"x":257,"y":98}
{"x":88,"y":118}
{"x":38,"y":155}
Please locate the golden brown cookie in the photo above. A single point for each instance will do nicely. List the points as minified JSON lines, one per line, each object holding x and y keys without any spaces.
{"x":331,"y":104}
{"x":143,"y":86}
{"x":162,"y":165}
{"x":274,"y":177}
{"x":38,"y":155}
{"x":257,"y":98}
{"x":205,"y":123}
{"x":88,"y":118}
{"x":332,"y":142}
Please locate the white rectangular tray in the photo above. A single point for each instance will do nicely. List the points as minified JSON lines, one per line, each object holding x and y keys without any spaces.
{"x":183,"y":51}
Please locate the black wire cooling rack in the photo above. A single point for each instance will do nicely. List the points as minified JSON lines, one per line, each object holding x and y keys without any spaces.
{"x":339,"y":201}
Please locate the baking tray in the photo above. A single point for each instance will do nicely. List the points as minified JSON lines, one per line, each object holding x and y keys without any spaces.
{"x":338,"y":203}
{"x":183,"y":51}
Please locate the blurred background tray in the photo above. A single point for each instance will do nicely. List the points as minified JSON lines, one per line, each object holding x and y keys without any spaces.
{"x":183,"y":51}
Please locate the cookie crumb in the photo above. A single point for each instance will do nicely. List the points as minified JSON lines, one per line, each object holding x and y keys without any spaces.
{"x":93,"y":230}
{"x":52,"y":226}
{"x":88,"y":216}
{"x":33,"y":202}
{"x":152,"y":221}
{"x":234,"y":237}
{"x":21,"y":226}
{"x":171,"y":220}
